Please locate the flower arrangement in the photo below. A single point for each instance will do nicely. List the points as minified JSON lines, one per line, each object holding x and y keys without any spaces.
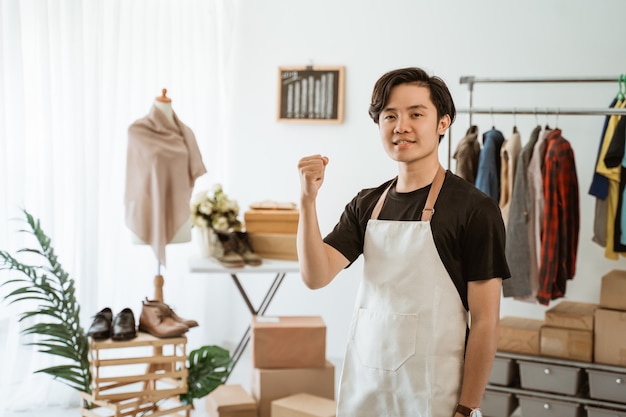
{"x":215,"y":210}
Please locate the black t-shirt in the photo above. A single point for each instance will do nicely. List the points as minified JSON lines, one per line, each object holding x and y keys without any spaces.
{"x":467,"y":228}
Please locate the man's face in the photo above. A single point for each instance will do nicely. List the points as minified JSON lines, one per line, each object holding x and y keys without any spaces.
{"x":408,"y":124}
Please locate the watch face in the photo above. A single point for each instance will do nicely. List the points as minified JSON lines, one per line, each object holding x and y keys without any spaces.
{"x":476,"y":413}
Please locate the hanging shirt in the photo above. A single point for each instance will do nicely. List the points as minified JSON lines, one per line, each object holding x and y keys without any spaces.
{"x":616,"y":157}
{"x":561,"y":221}
{"x":535,"y":191}
{"x":508,"y":159}
{"x":467,"y":155}
{"x":613,"y":175}
{"x":488,"y":177}
{"x":517,"y":243}
{"x":163,"y":162}
{"x":600,"y":189}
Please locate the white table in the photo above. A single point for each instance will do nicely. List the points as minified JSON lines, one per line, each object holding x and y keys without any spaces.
{"x":269,"y":266}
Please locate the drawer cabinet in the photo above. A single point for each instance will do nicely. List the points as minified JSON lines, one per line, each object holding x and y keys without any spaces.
{"x":539,"y":386}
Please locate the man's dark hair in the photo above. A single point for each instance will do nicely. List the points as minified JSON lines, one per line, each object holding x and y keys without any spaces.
{"x":439,"y":93}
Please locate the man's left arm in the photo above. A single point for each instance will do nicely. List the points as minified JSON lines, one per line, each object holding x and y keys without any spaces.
{"x":484,"y":305}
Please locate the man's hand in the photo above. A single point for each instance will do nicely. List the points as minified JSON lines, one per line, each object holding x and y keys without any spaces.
{"x":312,"y":170}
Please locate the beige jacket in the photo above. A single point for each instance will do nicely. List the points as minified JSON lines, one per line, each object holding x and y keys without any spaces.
{"x":163,"y":162}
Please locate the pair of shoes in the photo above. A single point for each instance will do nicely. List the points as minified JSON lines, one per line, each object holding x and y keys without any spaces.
{"x":104,"y":326}
{"x":171,"y":313}
{"x":156,"y":319}
{"x":237,"y":250}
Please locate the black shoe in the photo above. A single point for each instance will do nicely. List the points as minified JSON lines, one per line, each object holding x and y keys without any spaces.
{"x":100,"y":329}
{"x":124,"y":327}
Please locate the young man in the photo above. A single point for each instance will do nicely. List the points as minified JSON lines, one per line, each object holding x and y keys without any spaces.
{"x":433,"y":249}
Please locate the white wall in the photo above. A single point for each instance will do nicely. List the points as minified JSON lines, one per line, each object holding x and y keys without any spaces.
{"x":450,"y":38}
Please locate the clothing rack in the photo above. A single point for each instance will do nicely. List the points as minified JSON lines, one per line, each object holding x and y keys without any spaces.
{"x":471,"y":80}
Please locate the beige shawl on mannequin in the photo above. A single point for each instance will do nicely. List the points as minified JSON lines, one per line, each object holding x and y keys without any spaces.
{"x":163,"y":162}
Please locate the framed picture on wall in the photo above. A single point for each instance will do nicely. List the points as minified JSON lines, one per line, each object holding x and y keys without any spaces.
{"x":311,"y":94}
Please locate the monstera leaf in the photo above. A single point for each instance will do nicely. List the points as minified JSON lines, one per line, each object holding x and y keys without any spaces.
{"x":208,"y":367}
{"x":57,"y":330}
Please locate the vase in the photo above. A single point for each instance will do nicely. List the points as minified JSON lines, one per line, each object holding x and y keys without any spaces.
{"x":209,"y":242}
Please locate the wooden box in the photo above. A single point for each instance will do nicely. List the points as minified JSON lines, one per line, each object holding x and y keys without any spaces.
{"x":134,"y":407}
{"x":564,"y":343}
{"x":143,"y":367}
{"x":288,"y":342}
{"x":304,"y":405}
{"x":274,"y":245}
{"x":271,"y":221}
{"x":520,"y":335}
{"x":571,"y":315}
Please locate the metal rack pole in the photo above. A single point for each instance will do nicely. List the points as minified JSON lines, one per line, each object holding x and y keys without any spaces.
{"x":470,"y":80}
{"x":543,"y":111}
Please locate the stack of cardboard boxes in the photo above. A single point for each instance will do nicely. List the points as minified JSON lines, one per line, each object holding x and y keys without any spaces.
{"x":272,"y":231}
{"x":584,"y":332}
{"x":289,"y":358}
{"x":610,"y":320}
{"x":290,"y":375}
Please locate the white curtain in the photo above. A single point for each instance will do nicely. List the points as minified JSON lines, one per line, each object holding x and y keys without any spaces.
{"x":74,"y":74}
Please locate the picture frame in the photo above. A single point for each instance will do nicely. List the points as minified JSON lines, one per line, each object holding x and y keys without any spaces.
{"x":311,"y":94}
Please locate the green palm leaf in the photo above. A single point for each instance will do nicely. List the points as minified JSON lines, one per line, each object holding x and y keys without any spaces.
{"x":50,"y":286}
{"x":208,"y":368}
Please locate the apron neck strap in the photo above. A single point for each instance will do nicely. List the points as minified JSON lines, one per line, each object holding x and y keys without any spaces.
{"x":429,"y":207}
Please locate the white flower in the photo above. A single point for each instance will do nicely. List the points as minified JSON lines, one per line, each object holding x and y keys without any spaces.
{"x":215,"y":210}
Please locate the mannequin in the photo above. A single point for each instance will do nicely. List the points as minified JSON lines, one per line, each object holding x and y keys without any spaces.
{"x":163,"y":162}
{"x":183,"y":234}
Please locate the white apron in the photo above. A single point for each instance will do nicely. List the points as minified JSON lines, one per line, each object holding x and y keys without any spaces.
{"x":407,"y":339}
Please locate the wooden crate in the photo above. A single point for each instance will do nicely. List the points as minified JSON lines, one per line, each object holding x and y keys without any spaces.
{"x":146,"y":367}
{"x":135,"y":407}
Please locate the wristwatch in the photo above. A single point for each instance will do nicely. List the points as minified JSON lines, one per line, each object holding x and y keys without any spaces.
{"x":468,"y":412}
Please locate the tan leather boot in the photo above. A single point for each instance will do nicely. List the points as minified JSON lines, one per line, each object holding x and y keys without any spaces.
{"x":166,"y":309}
{"x":246,"y":251}
{"x":155,"y":320}
{"x":229,"y":255}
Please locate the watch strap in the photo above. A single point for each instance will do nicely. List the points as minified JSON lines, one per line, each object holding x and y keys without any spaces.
{"x":461,"y":409}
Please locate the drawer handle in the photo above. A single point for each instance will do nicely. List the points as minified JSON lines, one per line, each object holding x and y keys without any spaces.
{"x":546,"y":371}
{"x":546,"y":406}
{"x":618,"y":381}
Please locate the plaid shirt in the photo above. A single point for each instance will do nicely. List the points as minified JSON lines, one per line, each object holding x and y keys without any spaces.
{"x":561,"y":222}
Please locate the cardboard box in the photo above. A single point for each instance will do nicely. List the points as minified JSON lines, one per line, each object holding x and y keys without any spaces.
{"x":271,"y":384}
{"x":610,"y":337}
{"x":574,"y":344}
{"x":304,"y":405}
{"x":288,"y":342}
{"x":571,"y":315}
{"x":230,"y":401}
{"x":520,"y":335}
{"x":274,"y":245}
{"x":271,"y":221}
{"x":613,"y":290}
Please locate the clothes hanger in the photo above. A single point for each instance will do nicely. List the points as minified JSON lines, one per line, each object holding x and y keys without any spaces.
{"x":514,"y":121}
{"x":621,"y":82}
